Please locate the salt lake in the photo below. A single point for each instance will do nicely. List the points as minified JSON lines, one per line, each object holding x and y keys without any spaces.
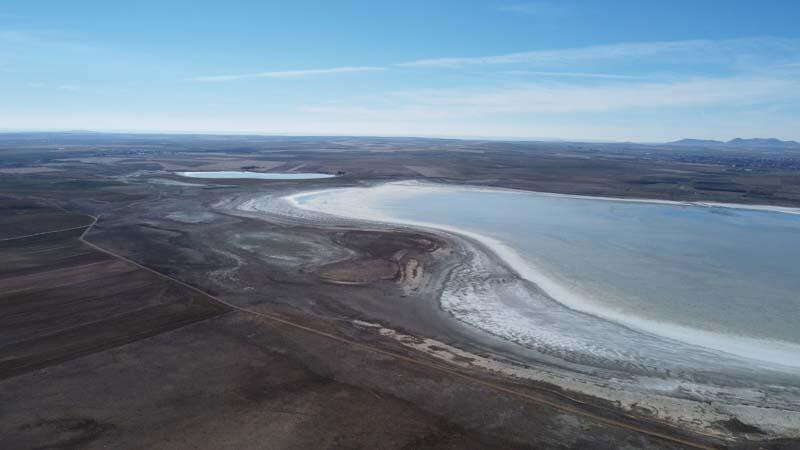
{"x":722,"y":278}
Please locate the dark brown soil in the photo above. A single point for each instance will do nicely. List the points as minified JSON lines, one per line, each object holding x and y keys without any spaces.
{"x":60,"y":299}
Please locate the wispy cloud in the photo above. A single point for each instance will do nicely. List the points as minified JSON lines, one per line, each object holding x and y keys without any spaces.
{"x":755,"y":53}
{"x":539,"y":73}
{"x":559,"y":97}
{"x":287,"y":73}
{"x":63,"y":87}
{"x":731,"y":50}
{"x":14,"y":36}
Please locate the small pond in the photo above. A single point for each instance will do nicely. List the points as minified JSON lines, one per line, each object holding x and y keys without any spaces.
{"x":230,"y":174}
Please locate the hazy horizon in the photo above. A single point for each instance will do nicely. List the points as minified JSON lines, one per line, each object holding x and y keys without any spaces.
{"x":377,"y":136}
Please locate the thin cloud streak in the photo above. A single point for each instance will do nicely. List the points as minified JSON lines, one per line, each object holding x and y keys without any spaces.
{"x":560,"y":98}
{"x":755,"y":52}
{"x":14,"y":36}
{"x":699,"y":49}
{"x":574,"y":74}
{"x":288,"y":73}
{"x":563,"y":98}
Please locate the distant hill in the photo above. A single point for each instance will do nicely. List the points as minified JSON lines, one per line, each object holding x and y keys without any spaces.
{"x":763,"y":143}
{"x":769,"y":142}
{"x":697,"y":142}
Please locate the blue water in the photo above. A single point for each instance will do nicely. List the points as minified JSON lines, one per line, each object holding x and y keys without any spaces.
{"x":724,"y":270}
{"x":231,"y":174}
{"x":721,"y":270}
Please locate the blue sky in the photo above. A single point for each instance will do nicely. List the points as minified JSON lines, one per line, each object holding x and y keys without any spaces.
{"x":586,"y":70}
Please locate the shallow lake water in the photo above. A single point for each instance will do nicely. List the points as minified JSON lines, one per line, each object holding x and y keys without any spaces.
{"x":231,"y":174}
{"x":723,"y":278}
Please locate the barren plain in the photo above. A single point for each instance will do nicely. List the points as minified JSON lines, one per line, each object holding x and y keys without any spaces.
{"x":141,"y":309}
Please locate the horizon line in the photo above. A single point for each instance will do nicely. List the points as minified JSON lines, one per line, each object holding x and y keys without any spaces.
{"x":417,"y":136}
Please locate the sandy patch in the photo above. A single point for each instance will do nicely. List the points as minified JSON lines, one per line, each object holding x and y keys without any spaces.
{"x":359,"y":272}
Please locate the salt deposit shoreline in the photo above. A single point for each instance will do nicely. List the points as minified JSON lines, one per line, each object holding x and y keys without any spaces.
{"x":695,"y":405}
{"x":777,"y":353}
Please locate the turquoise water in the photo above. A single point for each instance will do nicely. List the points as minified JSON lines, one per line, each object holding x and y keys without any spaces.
{"x":230,"y":174}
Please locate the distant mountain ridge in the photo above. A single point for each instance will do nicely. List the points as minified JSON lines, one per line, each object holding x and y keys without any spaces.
{"x":739,"y":143}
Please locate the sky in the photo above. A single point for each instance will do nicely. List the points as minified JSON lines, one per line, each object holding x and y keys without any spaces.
{"x":645,"y":70}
